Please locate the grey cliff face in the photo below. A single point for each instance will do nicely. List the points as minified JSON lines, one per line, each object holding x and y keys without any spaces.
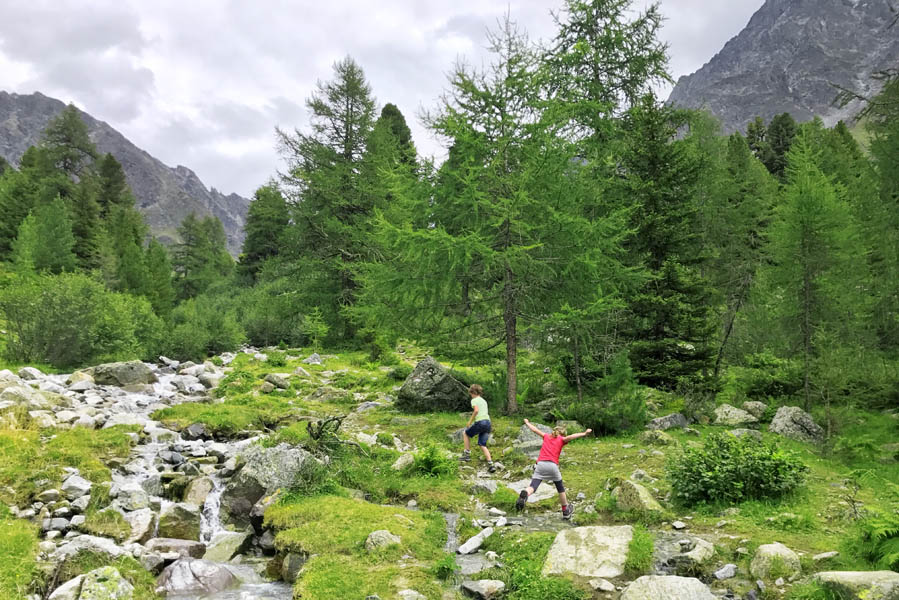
{"x":790,"y":56}
{"x":164,"y":195}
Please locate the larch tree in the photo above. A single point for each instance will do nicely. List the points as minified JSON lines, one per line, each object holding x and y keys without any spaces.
{"x":267,"y":218}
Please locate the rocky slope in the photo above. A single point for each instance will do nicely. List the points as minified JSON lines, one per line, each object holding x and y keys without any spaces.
{"x":789,"y":57}
{"x":164,"y":195}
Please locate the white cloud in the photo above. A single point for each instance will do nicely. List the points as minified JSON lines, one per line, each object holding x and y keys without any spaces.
{"x":203,"y":83}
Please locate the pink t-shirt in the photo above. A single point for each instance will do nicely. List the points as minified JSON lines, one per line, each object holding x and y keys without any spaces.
{"x":552,"y":448}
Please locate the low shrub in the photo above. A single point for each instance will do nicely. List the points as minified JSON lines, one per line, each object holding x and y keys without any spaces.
{"x":399,"y":372}
{"x":431,"y":462}
{"x":276,"y":358}
{"x":614,"y":404}
{"x":730,"y":469}
{"x":877,"y":540}
{"x":202,"y":326}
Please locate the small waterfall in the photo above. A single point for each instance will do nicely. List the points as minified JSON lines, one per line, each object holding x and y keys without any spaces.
{"x":452,"y":536}
{"x":210,"y":520}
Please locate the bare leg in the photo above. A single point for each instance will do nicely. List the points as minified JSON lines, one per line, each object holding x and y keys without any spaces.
{"x":563,"y":499}
{"x":486,"y":453}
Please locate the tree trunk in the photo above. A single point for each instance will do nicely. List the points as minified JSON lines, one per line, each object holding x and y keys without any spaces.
{"x":510,"y":320}
{"x":729,"y":328}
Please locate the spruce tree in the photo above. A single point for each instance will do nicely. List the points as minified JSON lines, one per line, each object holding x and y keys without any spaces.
{"x":267,"y":219}
{"x":159,"y":289}
{"x":45,"y":241}
{"x":86,"y":223}
{"x":201,"y":257}
{"x":4,"y":166}
{"x":68,"y":143}
{"x":113,"y":185}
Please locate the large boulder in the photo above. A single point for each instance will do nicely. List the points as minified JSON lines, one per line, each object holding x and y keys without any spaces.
{"x":795,"y":423}
{"x":194,"y":576}
{"x":630,"y":495}
{"x":123,"y":373}
{"x":861,"y":585}
{"x":143,"y":525}
{"x":589,"y":552}
{"x":430,"y":388}
{"x":181,"y":521}
{"x":380,"y":539}
{"x":667,"y":587}
{"x":183,"y":548}
{"x":265,"y":471}
{"x":226,"y":545}
{"x":528,"y":442}
{"x":731,"y":415}
{"x":668,"y":422}
{"x":774,"y":560}
{"x":106,"y":583}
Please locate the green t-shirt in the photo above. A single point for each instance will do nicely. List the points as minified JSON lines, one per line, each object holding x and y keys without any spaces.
{"x":482,"y":415}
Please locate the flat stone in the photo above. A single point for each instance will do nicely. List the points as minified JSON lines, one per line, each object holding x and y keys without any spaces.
{"x":183,"y":548}
{"x":589,"y":552}
{"x":381,"y":539}
{"x":861,"y":585}
{"x":475,"y":541}
{"x":601,"y":585}
{"x":76,"y":486}
{"x":668,"y":422}
{"x":544,"y":492}
{"x":825,"y":556}
{"x":226,"y":545}
{"x":667,"y":587}
{"x":766,"y":556}
{"x":484,"y":589}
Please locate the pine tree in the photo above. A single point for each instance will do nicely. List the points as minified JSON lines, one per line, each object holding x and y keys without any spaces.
{"x":113,"y":185}
{"x":817,"y":263}
{"x":45,"y":241}
{"x":267,"y":219}
{"x":86,"y":223}
{"x":159,"y":289}
{"x":4,"y":166}
{"x":780,"y":134}
{"x":67,"y":141}
{"x":201,"y":257}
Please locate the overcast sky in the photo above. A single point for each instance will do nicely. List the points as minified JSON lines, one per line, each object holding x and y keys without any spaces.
{"x":203,"y":83}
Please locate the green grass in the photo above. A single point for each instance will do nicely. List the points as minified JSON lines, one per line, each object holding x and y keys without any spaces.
{"x":18,"y":551}
{"x":30,"y":461}
{"x":335,"y":529}
{"x":639,"y":552}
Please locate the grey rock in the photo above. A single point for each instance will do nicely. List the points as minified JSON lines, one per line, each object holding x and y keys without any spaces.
{"x":380,"y":539}
{"x":279,"y":380}
{"x":410,"y":595}
{"x":143,"y":525}
{"x":728,"y":571}
{"x":183,"y":548}
{"x":861,"y":585}
{"x":484,"y":486}
{"x":756,"y":435}
{"x":191,"y":575}
{"x":123,"y":373}
{"x":601,"y":585}
{"x":30,"y":374}
{"x":226,"y":545}
{"x":630,"y":495}
{"x":81,"y":543}
{"x":529,"y":443}
{"x":196,"y":431}
{"x":755,"y":408}
{"x":430,"y":388}
{"x":731,"y":415}
{"x":180,"y":520}
{"x":475,"y":541}
{"x":795,"y":423}
{"x":668,"y":422}
{"x":825,"y":556}
{"x":484,"y":589}
{"x":403,"y":461}
{"x":70,"y":590}
{"x":291,"y":566}
{"x":106,"y":583}
{"x":48,"y":496}
{"x":132,"y":496}
{"x":667,"y":587}
{"x":312,"y":359}
{"x":197,"y":490}
{"x":589,"y":552}
{"x":76,"y":486}
{"x":768,"y":555}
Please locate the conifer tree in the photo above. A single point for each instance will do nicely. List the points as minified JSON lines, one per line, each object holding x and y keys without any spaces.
{"x":86,"y":223}
{"x":113,"y":185}
{"x":45,"y":241}
{"x":159,"y":289}
{"x":267,"y":219}
{"x":201,"y":257}
{"x":4,"y":166}
{"x":817,"y":263}
{"x":68,"y":143}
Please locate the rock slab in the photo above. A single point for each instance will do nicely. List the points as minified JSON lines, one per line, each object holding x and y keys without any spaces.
{"x":861,"y":585}
{"x":667,"y":587}
{"x":589,"y":552}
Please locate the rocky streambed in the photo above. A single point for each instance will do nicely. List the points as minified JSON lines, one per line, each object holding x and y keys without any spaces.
{"x":192,"y":506}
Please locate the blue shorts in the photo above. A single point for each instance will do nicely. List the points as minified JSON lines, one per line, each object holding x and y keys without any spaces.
{"x":481,"y":429}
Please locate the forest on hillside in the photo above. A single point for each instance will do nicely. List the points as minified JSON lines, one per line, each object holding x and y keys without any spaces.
{"x":576,"y":218}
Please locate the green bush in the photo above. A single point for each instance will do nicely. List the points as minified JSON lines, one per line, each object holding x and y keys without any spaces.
{"x":268,"y":314}
{"x":431,"y":462}
{"x":613,"y":404}
{"x":731,"y":469}
{"x":201,"y":326}
{"x":400,"y":372}
{"x":877,"y":540}
{"x":276,"y":358}
{"x":767,"y":376}
{"x":70,"y":320}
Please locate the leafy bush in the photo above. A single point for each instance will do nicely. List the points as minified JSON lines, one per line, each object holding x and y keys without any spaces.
{"x":877,"y":540}
{"x":731,"y":469}
{"x":445,"y":568}
{"x":267,"y":312}
{"x":615,"y":404}
{"x":70,"y":320}
{"x":431,"y":462}
{"x":276,"y":358}
{"x":770,"y":377}
{"x":400,"y":372}
{"x":201,"y":326}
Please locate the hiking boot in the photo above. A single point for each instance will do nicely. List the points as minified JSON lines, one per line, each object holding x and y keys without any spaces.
{"x":522,"y":498}
{"x":566,"y":512}
{"x":466,"y":456}
{"x":492,"y":468}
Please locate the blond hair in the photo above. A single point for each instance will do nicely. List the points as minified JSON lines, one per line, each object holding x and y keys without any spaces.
{"x":559,"y":430}
{"x":475,"y":389}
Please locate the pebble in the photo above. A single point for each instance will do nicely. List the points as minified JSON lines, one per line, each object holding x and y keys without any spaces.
{"x":726,"y":572}
{"x":679,"y":525}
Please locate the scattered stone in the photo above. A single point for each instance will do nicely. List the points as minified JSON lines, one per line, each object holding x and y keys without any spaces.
{"x":755,"y":408}
{"x":81,"y":543}
{"x":769,"y":554}
{"x":601,"y":585}
{"x":196,"y":431}
{"x":291,"y":566}
{"x":679,"y":525}
{"x":301,"y":372}
{"x":795,"y":423}
{"x":405,"y":460}
{"x":667,"y":587}
{"x":143,"y":525}
{"x":105,"y":583}
{"x":132,"y":496}
{"x":198,"y":490}
{"x":728,"y":571}
{"x":267,"y":387}
{"x":30,"y":374}
{"x":313,"y":359}
{"x":122,"y":373}
{"x":475,"y":541}
{"x":589,"y":552}
{"x":183,"y":548}
{"x":191,"y":575}
{"x":630,"y":495}
{"x":226,"y":545}
{"x":48,"y":496}
{"x":76,"y":486}
{"x":858,"y":585}
{"x":279,"y":380}
{"x":430,"y":388}
{"x":656,"y":437}
{"x":544,"y":492}
{"x":410,"y":595}
{"x":484,"y":589}
{"x":668,"y":422}
{"x":70,"y":590}
{"x":731,"y":415}
{"x":738,"y":433}
{"x":484,"y":486}
{"x":180,"y":520}
{"x":825,"y":556}
{"x":380,"y":539}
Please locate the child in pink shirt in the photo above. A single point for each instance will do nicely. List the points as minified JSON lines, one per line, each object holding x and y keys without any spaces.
{"x":547,"y":468}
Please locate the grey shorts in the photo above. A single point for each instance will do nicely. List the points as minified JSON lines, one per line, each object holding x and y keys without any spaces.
{"x":547,"y":471}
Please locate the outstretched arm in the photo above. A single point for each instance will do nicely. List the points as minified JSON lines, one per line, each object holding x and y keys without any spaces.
{"x":532,"y":428}
{"x":575,"y":436}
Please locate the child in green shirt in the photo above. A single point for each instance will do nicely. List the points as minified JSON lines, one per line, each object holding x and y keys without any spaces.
{"x":478,"y":425}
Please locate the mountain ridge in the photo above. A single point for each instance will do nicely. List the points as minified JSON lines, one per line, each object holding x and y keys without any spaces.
{"x":164,"y":195}
{"x":791,"y":57}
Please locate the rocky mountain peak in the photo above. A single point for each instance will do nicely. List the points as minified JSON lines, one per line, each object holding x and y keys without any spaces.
{"x":790,"y":58}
